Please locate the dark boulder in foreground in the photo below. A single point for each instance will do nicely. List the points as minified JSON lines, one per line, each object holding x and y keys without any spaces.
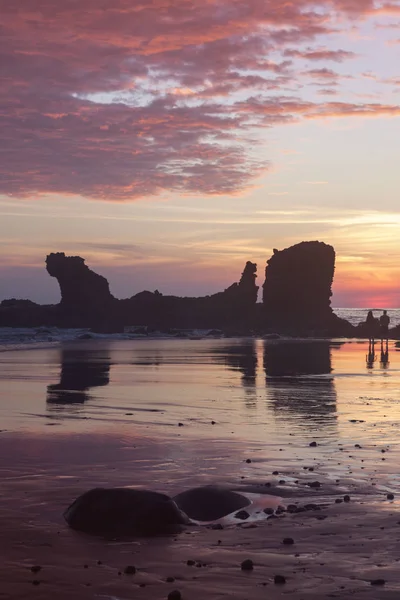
{"x":124,"y":512}
{"x":297,"y":290}
{"x":210,"y":502}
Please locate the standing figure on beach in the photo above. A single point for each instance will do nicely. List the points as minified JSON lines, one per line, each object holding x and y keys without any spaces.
{"x":371,"y":328}
{"x":384,"y":326}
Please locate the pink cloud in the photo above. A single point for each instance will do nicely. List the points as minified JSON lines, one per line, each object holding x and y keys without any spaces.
{"x":118,"y":100}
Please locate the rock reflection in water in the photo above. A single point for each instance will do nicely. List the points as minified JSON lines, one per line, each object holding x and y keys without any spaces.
{"x":299,"y":381}
{"x":241,"y":356}
{"x":82,"y":368}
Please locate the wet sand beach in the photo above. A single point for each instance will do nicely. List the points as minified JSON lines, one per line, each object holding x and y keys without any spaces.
{"x":175,"y":414}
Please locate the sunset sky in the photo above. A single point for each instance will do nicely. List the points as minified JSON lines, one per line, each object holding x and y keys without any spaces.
{"x":169,"y":141}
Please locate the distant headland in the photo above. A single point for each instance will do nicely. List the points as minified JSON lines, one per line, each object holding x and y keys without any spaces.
{"x":296,"y":300}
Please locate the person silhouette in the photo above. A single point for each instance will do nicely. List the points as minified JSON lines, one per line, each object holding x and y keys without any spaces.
{"x":384,"y":326}
{"x":370,"y":323}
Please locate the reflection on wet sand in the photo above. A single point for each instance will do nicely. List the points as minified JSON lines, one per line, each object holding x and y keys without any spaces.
{"x":242,"y":357}
{"x":299,"y":381}
{"x":81,"y":369}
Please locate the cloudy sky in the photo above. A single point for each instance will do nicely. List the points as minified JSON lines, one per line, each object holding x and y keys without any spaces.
{"x":169,"y":141}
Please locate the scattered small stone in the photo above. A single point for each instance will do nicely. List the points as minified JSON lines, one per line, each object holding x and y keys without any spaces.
{"x":170,"y":579}
{"x":36,"y":569}
{"x":279,"y":579}
{"x":190,"y":563}
{"x":383,"y":451}
{"x":378,"y":582}
{"x":180,"y":424}
{"x":292,"y":508}
{"x":130,"y":570}
{"x":213,"y":423}
{"x":311,"y":468}
{"x":242,"y":514}
{"x":311,"y":507}
{"x":313,"y":444}
{"x":174,"y":595}
{"x":268,"y":511}
{"x":346,"y":498}
{"x":247,"y":565}
{"x":288,"y":541}
{"x":314,"y":484}
{"x":357,"y":446}
{"x":99,"y":562}
{"x":85,"y":566}
{"x":275,"y":472}
{"x":390,"y":496}
{"x":248,"y":460}
{"x":35,"y":582}
{"x":338,"y":501}
{"x":282,"y":482}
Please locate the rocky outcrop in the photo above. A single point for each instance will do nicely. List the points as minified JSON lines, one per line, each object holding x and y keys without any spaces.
{"x":297,"y":288}
{"x":233,"y":306}
{"x":86,"y":300}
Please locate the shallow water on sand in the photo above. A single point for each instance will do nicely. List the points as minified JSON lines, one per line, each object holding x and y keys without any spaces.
{"x":169,"y":414}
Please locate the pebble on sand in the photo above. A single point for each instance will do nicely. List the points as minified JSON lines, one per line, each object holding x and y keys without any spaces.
{"x":190,"y":563}
{"x":130,"y":570}
{"x":346,"y":498}
{"x":174,"y":595}
{"x":279,"y":579}
{"x":242,"y":514}
{"x":378,"y":582}
{"x":288,"y":541}
{"x":248,"y":460}
{"x":313,"y":444}
{"x":390,"y":496}
{"x":36,"y":569}
{"x":247,"y":565}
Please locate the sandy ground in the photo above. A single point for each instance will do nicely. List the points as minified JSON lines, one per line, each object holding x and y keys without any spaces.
{"x":337,"y":551}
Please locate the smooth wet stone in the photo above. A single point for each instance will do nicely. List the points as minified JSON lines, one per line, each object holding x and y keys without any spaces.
{"x":209,"y":503}
{"x":124,"y":511}
{"x":247,"y":565}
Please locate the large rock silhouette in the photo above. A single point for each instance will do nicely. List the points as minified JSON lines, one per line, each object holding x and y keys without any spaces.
{"x":234,"y":307}
{"x":298,"y":287}
{"x":86,"y":300}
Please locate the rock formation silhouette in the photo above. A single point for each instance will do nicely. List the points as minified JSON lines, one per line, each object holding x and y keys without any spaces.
{"x":232,"y":307}
{"x":298,"y":286}
{"x":296,"y":300}
{"x":86,"y":299}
